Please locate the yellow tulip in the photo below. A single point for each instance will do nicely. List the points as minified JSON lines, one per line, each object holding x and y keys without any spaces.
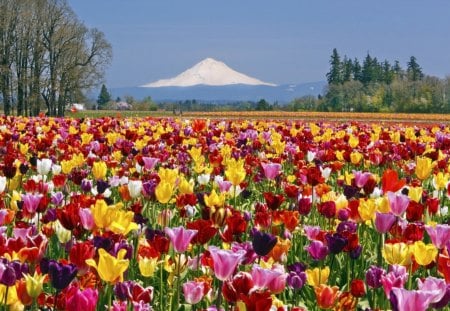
{"x":110,"y":268}
{"x":186,"y":187}
{"x":423,"y":167}
{"x":424,"y":254}
{"x":383,"y":204}
{"x":397,"y":254}
{"x":164,"y":191}
{"x":66,"y":166}
{"x":213,"y":199}
{"x":123,"y":223}
{"x":12,"y":294}
{"x":440,"y":181}
{"x":367,"y":209}
{"x":353,"y":141}
{"x":99,"y":170}
{"x":168,"y":175}
{"x":34,"y":284}
{"x":235,"y":171}
{"x":317,"y":276}
{"x":23,"y":148}
{"x":103,"y":214}
{"x":86,"y":138}
{"x":356,"y":157}
{"x":147,"y":266}
{"x":415,"y":193}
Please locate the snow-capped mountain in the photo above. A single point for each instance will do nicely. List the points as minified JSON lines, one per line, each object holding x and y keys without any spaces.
{"x":208,"y":72}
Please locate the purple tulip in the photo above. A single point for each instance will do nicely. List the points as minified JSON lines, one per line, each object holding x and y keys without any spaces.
{"x":263,"y":242}
{"x":60,"y":274}
{"x":384,"y":222}
{"x":122,"y":290}
{"x":373,"y":276}
{"x":297,"y":276}
{"x":336,"y":242}
{"x":317,"y":250}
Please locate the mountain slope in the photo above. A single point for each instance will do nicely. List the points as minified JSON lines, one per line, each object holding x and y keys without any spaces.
{"x":208,"y":72}
{"x":281,"y":93}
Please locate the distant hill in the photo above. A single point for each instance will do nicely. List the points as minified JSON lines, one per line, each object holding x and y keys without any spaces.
{"x":237,"y":92}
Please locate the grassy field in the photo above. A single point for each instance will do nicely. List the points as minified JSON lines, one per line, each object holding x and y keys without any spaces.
{"x":275,"y":115}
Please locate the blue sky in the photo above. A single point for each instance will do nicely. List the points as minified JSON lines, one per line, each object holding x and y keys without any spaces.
{"x":287,"y":41}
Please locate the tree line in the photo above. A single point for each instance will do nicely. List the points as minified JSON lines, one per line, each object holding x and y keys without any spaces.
{"x":378,"y":86}
{"x":48,"y":57}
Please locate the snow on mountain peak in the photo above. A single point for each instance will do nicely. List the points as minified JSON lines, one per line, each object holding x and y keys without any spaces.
{"x":208,"y":72}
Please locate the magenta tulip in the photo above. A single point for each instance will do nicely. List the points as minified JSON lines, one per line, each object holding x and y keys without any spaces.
{"x":317,"y":250}
{"x":180,"y":237}
{"x":225,"y":261}
{"x":271,"y":170}
{"x":439,"y":234}
{"x":193,"y":292}
{"x":384,"y":221}
{"x":398,"y":203}
{"x":77,"y":299}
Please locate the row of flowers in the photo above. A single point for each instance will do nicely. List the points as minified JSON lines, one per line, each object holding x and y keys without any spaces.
{"x":156,"y":214}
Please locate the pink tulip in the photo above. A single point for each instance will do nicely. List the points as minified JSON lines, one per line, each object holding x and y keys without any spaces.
{"x":85,"y":300}
{"x":273,"y":279}
{"x":225,"y":261}
{"x":193,"y":292}
{"x":384,"y":221}
{"x":398,"y":203}
{"x":271,"y":170}
{"x":361,"y":178}
{"x":311,"y":231}
{"x":439,"y":234}
{"x":396,"y":277}
{"x":86,"y":218}
{"x":180,"y":237}
{"x":31,"y":202}
{"x":436,"y":287}
{"x":407,"y":300}
{"x":149,"y":163}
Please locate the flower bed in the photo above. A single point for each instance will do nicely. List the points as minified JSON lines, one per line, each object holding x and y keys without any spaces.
{"x":170,"y":214}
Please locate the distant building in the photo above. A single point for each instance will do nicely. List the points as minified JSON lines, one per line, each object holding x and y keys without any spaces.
{"x":123,"y":106}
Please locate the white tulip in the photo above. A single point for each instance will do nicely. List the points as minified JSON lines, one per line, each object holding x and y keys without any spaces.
{"x":43,"y":166}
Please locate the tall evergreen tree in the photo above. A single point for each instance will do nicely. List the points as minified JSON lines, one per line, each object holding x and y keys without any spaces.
{"x":357,"y":70}
{"x":367,"y":71}
{"x":103,"y":98}
{"x":347,"y":69}
{"x":334,"y":76}
{"x":414,"y":71}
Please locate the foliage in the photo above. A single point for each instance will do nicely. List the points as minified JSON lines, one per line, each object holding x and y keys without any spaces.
{"x":47,"y":56}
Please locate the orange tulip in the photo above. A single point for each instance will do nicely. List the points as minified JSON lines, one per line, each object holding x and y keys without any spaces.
{"x":326,"y":295}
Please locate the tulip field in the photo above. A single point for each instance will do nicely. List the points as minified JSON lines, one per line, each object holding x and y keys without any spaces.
{"x":141,"y":213}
